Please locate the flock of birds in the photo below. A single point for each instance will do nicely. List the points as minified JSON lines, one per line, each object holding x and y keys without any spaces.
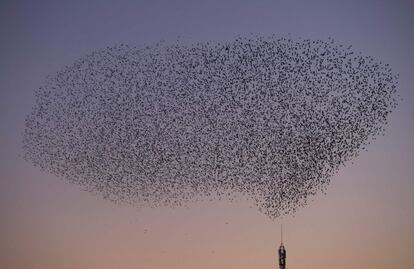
{"x":269,"y":118}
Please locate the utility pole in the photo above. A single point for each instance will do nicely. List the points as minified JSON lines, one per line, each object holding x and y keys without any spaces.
{"x":282,"y":251}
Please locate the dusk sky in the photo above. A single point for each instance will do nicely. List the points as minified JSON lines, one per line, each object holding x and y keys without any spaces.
{"x":365,"y":219}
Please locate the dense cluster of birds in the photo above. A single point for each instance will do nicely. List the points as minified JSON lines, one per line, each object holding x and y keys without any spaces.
{"x":266,"y":117}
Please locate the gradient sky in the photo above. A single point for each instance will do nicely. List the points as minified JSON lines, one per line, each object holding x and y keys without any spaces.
{"x":366,"y":219}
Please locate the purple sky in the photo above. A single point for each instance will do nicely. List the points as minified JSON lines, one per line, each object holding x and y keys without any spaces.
{"x":365,"y":220}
